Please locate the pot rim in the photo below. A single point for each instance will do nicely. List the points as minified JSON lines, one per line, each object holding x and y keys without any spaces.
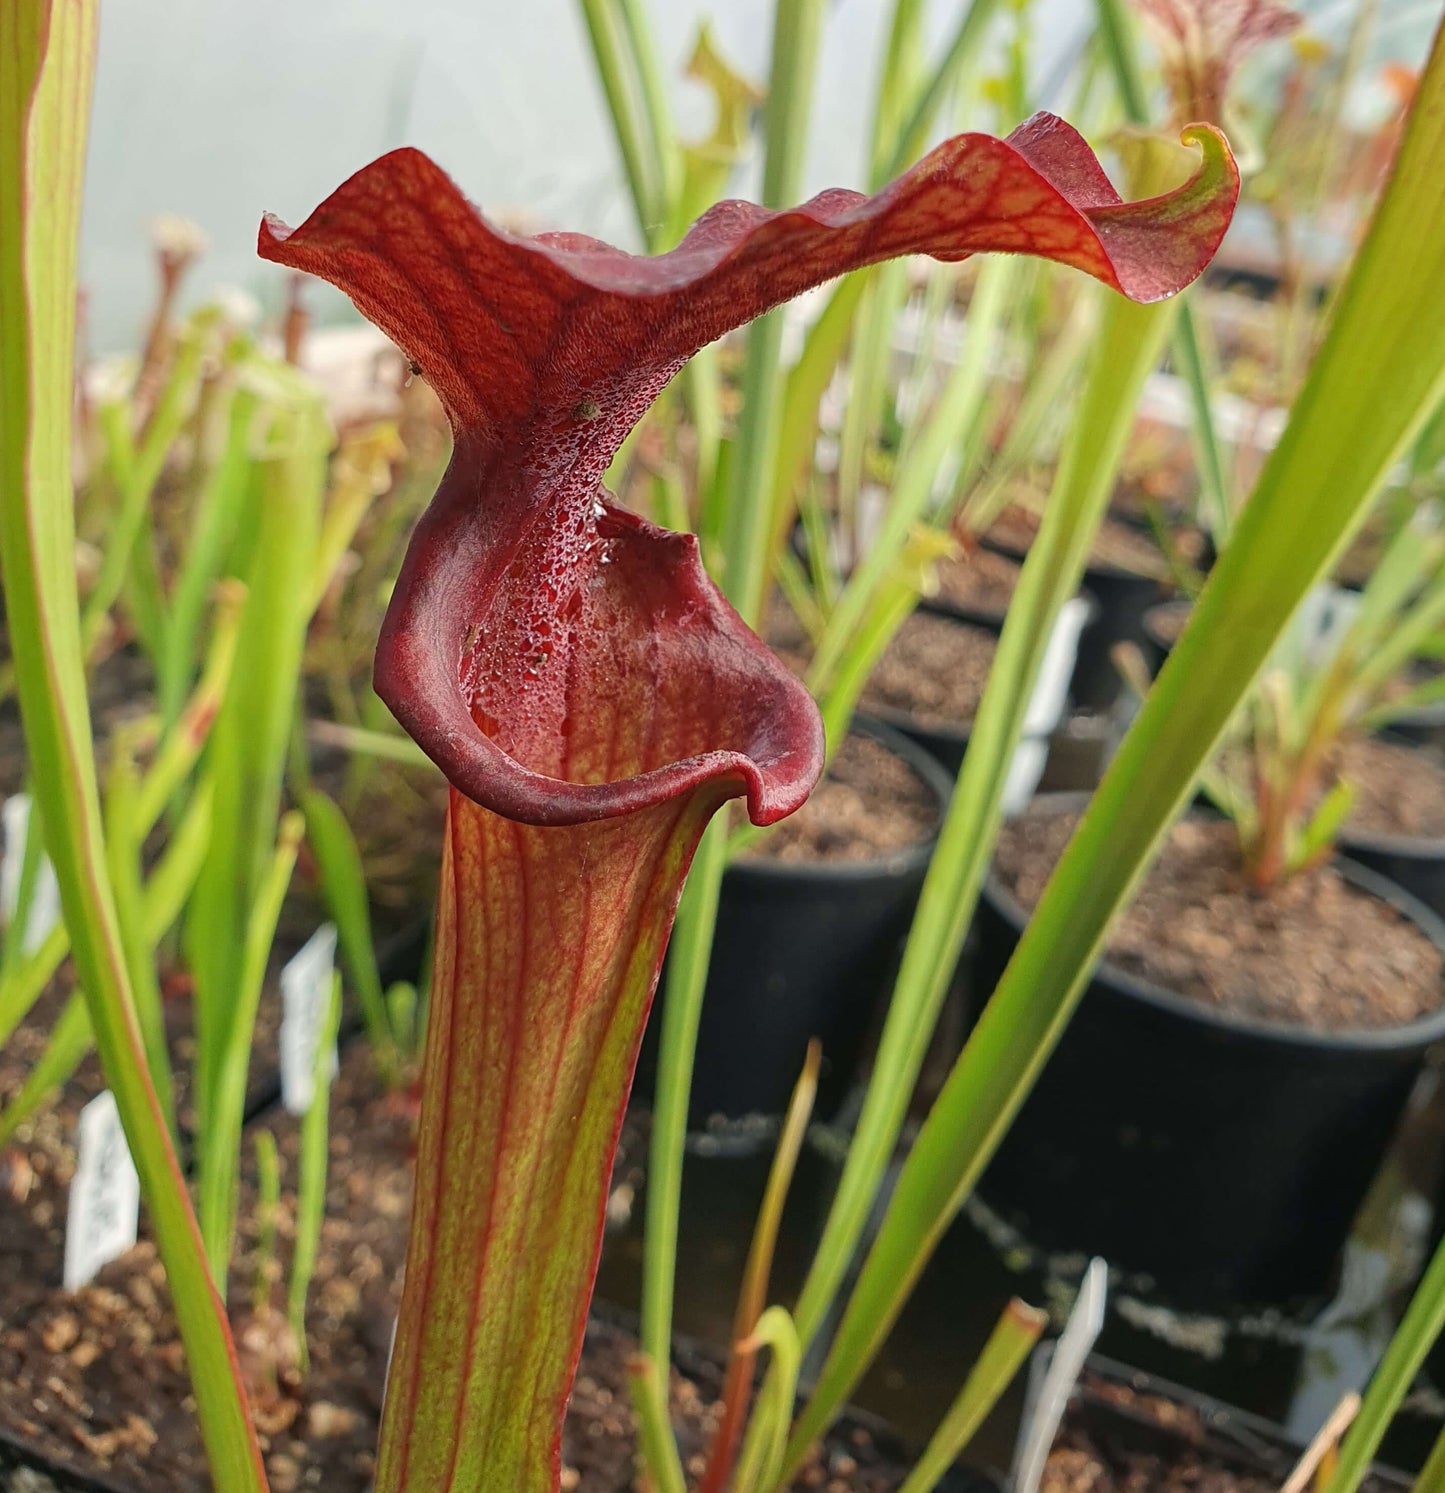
{"x":901,"y":722}
{"x":897,"y":863}
{"x":1426,"y":716}
{"x":1420,"y":1032}
{"x":1423,"y":847}
{"x":28,"y":1454}
{"x":940,"y":606}
{"x":1104,"y":568}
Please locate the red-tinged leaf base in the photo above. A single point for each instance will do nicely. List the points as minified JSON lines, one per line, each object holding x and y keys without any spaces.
{"x":593,"y":699}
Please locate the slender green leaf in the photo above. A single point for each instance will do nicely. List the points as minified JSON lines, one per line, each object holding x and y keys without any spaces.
{"x":655,"y":1439}
{"x":124,"y":841}
{"x":1432,"y":1474}
{"x":761,"y":1463}
{"x":220,"y":1154}
{"x":1009,"y":1344}
{"x":214,"y":521}
{"x":607,"y":31}
{"x":343,"y":879}
{"x":136,"y":473}
{"x":689,"y":951}
{"x":752,"y":1294}
{"x":247,"y":754}
{"x":797,"y":36}
{"x":268,"y":1206}
{"x":66,"y":1045}
{"x":47,"y":56}
{"x":1421,"y":1325}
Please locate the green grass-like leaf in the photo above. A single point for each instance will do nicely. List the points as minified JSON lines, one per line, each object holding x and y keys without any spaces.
{"x":47,"y":56}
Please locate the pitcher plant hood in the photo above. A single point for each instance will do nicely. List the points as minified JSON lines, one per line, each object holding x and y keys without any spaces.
{"x":528,"y":598}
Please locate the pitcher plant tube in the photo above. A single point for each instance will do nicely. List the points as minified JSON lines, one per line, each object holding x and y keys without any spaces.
{"x":594,"y":700}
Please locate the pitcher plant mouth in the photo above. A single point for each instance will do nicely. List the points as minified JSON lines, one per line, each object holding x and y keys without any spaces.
{"x":545,"y":351}
{"x":594,"y":699}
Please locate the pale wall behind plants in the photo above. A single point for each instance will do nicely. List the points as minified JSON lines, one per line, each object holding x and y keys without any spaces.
{"x":218,"y":110}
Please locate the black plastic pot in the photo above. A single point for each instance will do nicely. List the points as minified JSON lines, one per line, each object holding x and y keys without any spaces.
{"x":948,"y":744}
{"x":1211,"y":1432}
{"x":1221,"y":1156}
{"x":1424,"y":727}
{"x":1122,"y":598}
{"x":801,"y":951}
{"x":1416,"y":863}
{"x":19,"y":1460}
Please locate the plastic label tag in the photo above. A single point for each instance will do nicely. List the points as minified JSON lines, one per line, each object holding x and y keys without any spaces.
{"x":44,"y":911}
{"x":305,"y":999}
{"x":1075,"y":1343}
{"x":1051,"y":690}
{"x":104,"y":1208}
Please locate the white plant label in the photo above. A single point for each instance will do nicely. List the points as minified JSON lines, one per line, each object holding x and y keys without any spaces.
{"x":45,"y":894}
{"x":305,"y":998}
{"x":1046,"y":704}
{"x":1075,"y":1343}
{"x":104,"y":1208}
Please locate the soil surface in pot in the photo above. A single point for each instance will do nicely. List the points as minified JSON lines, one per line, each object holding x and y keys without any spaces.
{"x":870,"y":804}
{"x":1315,"y":952}
{"x":785,"y":634}
{"x":934,"y":671}
{"x":1085,"y":1462}
{"x":95,"y":1379}
{"x":1116,"y":546}
{"x":1129,"y":1440}
{"x":980,"y":581}
{"x":1399,"y":789}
